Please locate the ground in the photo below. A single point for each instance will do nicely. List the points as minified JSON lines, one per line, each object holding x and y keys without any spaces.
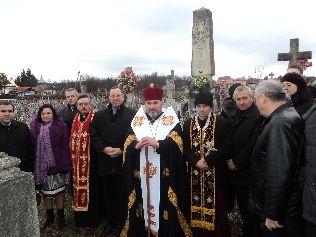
{"x":72,"y":231}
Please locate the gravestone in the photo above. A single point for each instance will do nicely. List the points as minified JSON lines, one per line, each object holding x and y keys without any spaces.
{"x":202,"y":64}
{"x":294,"y":55}
{"x":169,"y":89}
{"x":130,"y":97}
{"x":18,"y":210}
{"x":170,"y":86}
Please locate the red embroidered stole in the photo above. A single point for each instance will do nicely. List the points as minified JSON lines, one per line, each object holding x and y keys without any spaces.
{"x":80,"y":157}
{"x":202,"y":184}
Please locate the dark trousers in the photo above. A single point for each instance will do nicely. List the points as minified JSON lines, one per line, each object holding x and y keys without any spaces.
{"x":242,"y":195}
{"x":110,"y":186}
{"x":291,"y":228}
{"x":310,"y":229}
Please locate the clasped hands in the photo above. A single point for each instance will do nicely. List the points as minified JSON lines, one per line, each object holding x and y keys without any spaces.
{"x":147,"y":141}
{"x":271,"y":224}
{"x":112,"y":151}
{"x":201,"y":164}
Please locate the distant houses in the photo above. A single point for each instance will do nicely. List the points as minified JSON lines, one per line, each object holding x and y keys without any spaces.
{"x":31,"y":91}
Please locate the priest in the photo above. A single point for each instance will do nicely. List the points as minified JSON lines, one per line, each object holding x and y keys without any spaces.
{"x":207,"y":146}
{"x":83,"y":167}
{"x":154,"y":177}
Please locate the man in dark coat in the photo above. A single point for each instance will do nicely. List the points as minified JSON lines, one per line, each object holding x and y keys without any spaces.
{"x":154,"y":184}
{"x":246,"y":123}
{"x":15,"y":137}
{"x":309,"y":188}
{"x":69,"y":112}
{"x":207,"y":147}
{"x":107,"y":132}
{"x":274,"y":194}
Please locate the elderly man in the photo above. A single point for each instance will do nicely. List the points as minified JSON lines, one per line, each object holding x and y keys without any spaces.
{"x":15,"y":137}
{"x":107,"y":131}
{"x":154,"y":184}
{"x":69,"y":112}
{"x":207,"y":146}
{"x":83,"y":167}
{"x":274,"y":198}
{"x":246,"y":123}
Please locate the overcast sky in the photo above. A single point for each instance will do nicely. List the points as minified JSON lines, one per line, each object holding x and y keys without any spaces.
{"x":56,"y":39}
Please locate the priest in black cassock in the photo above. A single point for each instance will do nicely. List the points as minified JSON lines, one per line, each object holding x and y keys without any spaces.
{"x":207,"y":146}
{"x":154,"y":174}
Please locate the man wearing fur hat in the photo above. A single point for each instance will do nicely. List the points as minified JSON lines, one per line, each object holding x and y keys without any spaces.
{"x":207,"y":146}
{"x":154,"y":184}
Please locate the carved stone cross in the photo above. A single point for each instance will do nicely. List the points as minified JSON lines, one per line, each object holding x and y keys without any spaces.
{"x":294,"y":55}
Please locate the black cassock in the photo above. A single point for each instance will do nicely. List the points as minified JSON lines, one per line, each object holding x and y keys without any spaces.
{"x":209,"y":194}
{"x":173,"y":208}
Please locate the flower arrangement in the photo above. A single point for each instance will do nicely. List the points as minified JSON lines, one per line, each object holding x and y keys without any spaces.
{"x":201,"y":83}
{"x":127,"y":81}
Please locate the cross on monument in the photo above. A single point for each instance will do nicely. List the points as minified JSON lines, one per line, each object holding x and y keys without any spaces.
{"x":294,"y":55}
{"x":271,"y":75}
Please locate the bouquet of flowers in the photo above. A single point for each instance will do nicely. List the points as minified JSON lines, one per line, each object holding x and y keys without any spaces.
{"x":201,"y":83}
{"x":127,"y":81}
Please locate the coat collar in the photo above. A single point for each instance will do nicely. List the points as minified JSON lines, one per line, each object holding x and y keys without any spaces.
{"x":246,"y":113}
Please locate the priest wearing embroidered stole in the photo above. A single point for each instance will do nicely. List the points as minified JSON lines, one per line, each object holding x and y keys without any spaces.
{"x":207,"y":146}
{"x":83,"y":167}
{"x":154,"y":200}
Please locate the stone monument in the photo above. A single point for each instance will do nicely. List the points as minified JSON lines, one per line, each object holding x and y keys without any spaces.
{"x":130,"y":97}
{"x":18,"y":210}
{"x":202,"y":64}
{"x":169,"y":89}
{"x":294,"y":55}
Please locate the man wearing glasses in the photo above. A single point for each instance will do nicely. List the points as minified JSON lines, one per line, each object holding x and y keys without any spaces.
{"x":15,"y":137}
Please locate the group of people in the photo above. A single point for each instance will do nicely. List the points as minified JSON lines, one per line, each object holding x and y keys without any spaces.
{"x":146,"y":175}
{"x":27,"y":108}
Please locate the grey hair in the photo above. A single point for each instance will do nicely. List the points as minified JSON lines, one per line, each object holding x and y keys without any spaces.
{"x":71,"y":89}
{"x":242,"y":88}
{"x":272,"y":89}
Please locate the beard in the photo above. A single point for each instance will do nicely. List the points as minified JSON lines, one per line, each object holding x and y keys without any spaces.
{"x":153,"y":114}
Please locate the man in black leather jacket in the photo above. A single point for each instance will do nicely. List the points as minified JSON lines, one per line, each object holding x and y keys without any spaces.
{"x":274,"y":198}
{"x":309,"y":171}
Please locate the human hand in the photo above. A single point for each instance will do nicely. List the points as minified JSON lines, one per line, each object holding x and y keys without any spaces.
{"x":271,"y":224}
{"x":147,"y":141}
{"x":115,"y":152}
{"x":231,"y":165}
{"x":202,"y":165}
{"x":108,"y":150}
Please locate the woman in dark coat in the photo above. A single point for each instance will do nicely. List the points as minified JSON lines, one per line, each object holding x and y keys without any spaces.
{"x":49,"y":134}
{"x":296,"y":87}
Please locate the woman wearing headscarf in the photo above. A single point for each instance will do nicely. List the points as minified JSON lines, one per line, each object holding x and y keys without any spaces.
{"x":296,"y":88}
{"x":49,"y":134}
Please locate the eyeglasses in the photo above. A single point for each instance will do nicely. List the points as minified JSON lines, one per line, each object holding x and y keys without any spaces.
{"x":83,"y":104}
{"x":6,"y":111}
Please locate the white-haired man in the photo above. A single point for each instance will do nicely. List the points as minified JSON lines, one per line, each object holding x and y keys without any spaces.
{"x":274,"y":198}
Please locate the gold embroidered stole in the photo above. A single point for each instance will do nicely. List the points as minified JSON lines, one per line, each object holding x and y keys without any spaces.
{"x":80,"y":157}
{"x":202,"y":182}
